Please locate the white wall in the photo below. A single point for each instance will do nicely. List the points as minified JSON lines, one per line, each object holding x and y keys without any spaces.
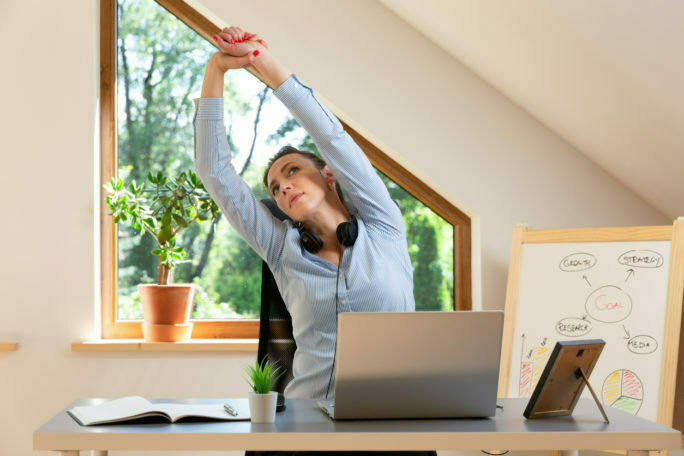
{"x":429,"y":111}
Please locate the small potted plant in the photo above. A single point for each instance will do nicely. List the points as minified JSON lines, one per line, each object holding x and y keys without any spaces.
{"x":263,"y":401}
{"x":171,"y":206}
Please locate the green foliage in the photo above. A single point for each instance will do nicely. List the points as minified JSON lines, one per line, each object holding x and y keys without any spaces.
{"x":431,"y":249}
{"x":427,"y":270}
{"x":174,"y":204}
{"x":209,"y":306}
{"x":263,"y":376}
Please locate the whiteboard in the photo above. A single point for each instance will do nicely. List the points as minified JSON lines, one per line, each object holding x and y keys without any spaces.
{"x":615,"y":291}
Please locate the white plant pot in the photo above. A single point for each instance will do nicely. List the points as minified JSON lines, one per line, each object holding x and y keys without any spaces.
{"x":262,"y":407}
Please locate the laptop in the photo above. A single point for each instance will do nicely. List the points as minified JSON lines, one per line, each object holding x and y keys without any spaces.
{"x":416,"y":365}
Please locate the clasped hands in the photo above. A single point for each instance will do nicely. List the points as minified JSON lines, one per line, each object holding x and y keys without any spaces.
{"x":237,"y":48}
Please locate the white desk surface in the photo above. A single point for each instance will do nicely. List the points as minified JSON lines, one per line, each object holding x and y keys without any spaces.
{"x":303,"y":426}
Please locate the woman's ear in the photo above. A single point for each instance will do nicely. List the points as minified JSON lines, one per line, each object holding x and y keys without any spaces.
{"x":330,"y":179}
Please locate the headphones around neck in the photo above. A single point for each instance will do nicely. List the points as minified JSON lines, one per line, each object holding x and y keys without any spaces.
{"x":347,"y":233}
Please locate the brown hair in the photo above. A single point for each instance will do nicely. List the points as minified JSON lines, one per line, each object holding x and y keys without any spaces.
{"x":315,"y":159}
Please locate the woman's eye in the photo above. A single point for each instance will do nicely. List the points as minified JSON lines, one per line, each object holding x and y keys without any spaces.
{"x":276,"y":189}
{"x":294,"y":168}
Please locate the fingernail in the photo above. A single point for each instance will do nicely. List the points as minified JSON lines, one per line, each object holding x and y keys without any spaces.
{"x":256,"y":53}
{"x":232,"y":41}
{"x":214,"y":37}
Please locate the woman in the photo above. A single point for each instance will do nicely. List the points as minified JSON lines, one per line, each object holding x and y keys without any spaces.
{"x":370,"y":273}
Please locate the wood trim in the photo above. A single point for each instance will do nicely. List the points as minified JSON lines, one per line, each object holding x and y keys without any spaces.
{"x":113,"y":329}
{"x":673,"y":319}
{"x":200,"y":24}
{"x":191,"y":17}
{"x":509,"y":309}
{"x":613,"y":234}
{"x":193,"y":345}
{"x":8,"y":346}
{"x":201,"y":329}
{"x":108,"y":160}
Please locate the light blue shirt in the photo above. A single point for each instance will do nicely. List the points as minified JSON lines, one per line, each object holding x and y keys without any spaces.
{"x":376,"y":273}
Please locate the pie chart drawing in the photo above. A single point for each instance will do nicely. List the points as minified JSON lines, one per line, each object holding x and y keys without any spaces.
{"x":623,"y":390}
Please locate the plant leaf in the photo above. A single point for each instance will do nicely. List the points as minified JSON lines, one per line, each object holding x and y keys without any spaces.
{"x":165,"y":234}
{"x":180,"y":221}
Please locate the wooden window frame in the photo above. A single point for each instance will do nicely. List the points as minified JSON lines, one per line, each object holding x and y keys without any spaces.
{"x":248,"y":328}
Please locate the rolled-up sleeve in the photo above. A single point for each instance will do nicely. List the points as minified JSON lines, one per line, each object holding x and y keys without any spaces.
{"x":251,"y":219}
{"x":344,"y":157}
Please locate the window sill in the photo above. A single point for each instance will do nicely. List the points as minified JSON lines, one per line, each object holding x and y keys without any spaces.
{"x":192,"y":345}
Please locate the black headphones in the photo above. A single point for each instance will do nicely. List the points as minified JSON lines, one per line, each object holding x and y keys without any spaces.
{"x":347,"y":233}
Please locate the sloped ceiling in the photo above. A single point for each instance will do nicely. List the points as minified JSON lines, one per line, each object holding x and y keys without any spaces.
{"x":606,"y":76}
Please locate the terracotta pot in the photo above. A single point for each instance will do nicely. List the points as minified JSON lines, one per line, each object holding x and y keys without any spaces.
{"x":166,"y":311}
{"x":166,"y":333}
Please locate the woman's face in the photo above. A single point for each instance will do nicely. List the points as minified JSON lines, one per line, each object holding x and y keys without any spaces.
{"x":297,"y":186}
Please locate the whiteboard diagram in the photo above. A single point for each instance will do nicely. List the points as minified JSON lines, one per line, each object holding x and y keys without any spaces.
{"x":615,"y":291}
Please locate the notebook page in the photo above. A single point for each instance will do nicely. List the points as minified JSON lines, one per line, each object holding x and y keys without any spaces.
{"x":177,"y":411}
{"x":114,"y":410}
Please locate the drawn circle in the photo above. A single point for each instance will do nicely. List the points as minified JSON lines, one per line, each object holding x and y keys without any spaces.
{"x":642,"y":345}
{"x":608,"y":304}
{"x":641,"y":259}
{"x":573,"y":327}
{"x":577,"y":262}
{"x":623,"y":390}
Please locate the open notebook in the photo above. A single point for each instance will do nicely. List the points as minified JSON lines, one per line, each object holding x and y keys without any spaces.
{"x":135,"y":407}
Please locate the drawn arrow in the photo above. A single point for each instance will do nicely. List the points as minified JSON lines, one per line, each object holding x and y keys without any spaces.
{"x":585,"y":278}
{"x":630,"y":273}
{"x":626,"y":332}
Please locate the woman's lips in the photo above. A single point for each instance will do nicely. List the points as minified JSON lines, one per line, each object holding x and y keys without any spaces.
{"x":295,"y":198}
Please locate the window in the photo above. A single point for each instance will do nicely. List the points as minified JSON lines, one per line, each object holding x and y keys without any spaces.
{"x":152,"y":65}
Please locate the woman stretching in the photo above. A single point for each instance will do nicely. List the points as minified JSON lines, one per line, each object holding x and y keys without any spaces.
{"x":319,"y":274}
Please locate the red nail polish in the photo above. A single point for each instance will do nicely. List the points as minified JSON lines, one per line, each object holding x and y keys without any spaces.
{"x":214,"y":37}
{"x":256,"y":53}
{"x":232,"y":41}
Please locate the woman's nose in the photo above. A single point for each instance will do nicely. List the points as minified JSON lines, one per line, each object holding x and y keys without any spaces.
{"x":285,"y":188}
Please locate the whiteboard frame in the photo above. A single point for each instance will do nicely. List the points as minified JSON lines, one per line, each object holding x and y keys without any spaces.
{"x":675,"y":293}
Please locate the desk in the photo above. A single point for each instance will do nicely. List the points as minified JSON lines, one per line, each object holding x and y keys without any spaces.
{"x":304,"y":427}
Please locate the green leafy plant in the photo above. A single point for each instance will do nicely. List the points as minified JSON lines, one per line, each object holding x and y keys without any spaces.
{"x":263,"y":376}
{"x":170,"y":206}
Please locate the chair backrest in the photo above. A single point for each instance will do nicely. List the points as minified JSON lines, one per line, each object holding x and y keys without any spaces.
{"x":276,"y":341}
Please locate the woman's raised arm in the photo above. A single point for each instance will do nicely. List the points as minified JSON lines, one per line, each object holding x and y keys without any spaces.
{"x":346,"y":160}
{"x":263,"y":232}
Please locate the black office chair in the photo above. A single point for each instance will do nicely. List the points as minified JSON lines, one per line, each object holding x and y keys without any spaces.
{"x":276,"y":341}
